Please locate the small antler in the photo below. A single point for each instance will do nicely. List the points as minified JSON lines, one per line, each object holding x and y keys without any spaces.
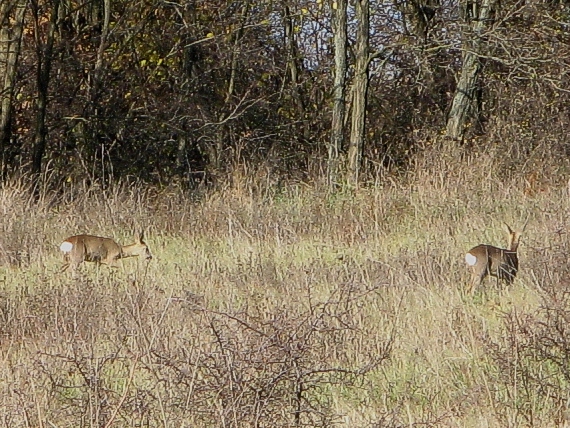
{"x":509,"y":230}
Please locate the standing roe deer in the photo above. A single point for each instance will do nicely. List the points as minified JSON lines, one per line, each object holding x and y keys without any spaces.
{"x":502,"y":263}
{"x":80,"y":248}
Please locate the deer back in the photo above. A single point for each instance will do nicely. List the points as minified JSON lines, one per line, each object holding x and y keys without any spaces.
{"x":93,"y":249}
{"x":499,"y":262}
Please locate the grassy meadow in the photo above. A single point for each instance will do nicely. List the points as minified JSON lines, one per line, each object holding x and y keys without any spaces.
{"x":271,"y":306}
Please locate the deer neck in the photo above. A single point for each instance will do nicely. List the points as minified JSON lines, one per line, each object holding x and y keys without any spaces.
{"x":128,"y":250}
{"x":514,"y":240}
{"x":513,"y":245}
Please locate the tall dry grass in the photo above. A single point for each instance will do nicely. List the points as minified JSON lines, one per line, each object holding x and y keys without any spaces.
{"x":273,"y":305}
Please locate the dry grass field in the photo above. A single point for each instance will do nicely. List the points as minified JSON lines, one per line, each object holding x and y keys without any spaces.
{"x":268,"y":306}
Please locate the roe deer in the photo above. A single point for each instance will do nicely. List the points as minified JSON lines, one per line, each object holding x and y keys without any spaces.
{"x":80,"y":248}
{"x":502,"y":263}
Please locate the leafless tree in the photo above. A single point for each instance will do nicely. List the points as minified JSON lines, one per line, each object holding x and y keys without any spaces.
{"x":478,"y":17}
{"x":11,"y":24}
{"x":359,"y":90}
{"x":339,"y":91}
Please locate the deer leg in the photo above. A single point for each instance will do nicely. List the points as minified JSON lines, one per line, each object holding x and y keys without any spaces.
{"x":477,"y":279}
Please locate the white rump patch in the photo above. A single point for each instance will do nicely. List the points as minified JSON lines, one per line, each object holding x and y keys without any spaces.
{"x":66,"y":246}
{"x":470,"y":259}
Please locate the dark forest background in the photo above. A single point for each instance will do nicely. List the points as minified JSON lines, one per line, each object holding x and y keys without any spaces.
{"x":191,"y":90}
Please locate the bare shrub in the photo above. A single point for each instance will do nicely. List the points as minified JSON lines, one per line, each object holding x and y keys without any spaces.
{"x":104,"y":354}
{"x":20,"y":224}
{"x":533,"y":357}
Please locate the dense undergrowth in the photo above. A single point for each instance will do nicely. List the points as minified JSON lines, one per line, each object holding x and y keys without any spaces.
{"x":285,"y":305}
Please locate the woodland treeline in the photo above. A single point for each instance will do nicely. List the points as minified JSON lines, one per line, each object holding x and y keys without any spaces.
{"x":189,"y":90}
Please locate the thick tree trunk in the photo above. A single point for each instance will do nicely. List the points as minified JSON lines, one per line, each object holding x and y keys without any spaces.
{"x":464,"y":105}
{"x":339,"y":91}
{"x":359,"y":91}
{"x":10,"y":44}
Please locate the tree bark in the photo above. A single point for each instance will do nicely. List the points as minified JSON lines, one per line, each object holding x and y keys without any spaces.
{"x":359,"y":91}
{"x":339,"y":91}
{"x":10,"y":45}
{"x":45,"y":56}
{"x":293,"y":68}
{"x":236,"y":52}
{"x":464,"y":106}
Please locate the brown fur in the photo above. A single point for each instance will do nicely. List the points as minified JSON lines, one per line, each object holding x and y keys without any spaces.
{"x":101,"y":250}
{"x":502,"y":263}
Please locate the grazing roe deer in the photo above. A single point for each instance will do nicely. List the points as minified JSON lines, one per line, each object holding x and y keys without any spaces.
{"x":502,"y":263}
{"x":80,"y":248}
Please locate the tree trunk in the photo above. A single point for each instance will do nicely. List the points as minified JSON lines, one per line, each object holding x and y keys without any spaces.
{"x":339,"y":91}
{"x":236,"y":52}
{"x":293,"y":67}
{"x":45,"y":56}
{"x":181,"y":154}
{"x":465,"y":106}
{"x":10,"y":44}
{"x":359,"y":91}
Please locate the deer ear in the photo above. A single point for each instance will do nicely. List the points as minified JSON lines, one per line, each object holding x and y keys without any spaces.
{"x":140,"y":238}
{"x":507,"y":228}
